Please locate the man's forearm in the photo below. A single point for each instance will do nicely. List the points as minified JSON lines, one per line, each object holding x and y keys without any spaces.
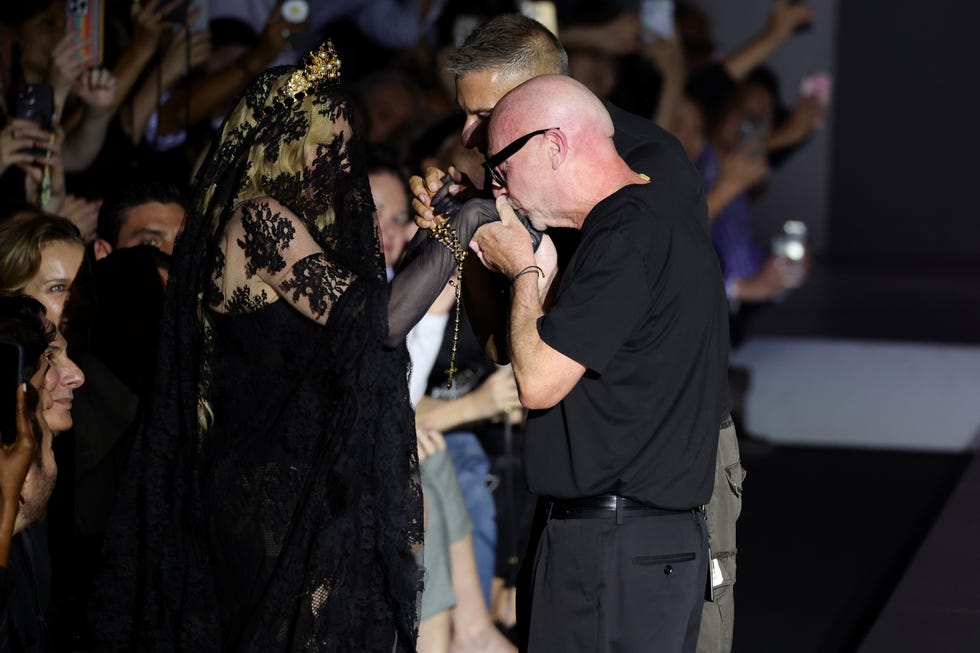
{"x":525,"y":342}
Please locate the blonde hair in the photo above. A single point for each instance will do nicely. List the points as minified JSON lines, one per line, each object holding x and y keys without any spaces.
{"x":22,"y":238}
{"x":290,"y":156}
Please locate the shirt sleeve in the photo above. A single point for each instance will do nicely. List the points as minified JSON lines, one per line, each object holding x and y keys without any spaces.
{"x":603,"y":296}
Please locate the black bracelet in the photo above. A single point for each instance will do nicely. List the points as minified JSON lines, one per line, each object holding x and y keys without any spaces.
{"x":530,"y":268}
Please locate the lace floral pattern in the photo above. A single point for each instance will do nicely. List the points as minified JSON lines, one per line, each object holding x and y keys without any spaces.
{"x":319,"y":282}
{"x":266,"y":236}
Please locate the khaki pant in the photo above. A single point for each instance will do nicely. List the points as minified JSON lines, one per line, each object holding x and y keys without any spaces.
{"x":718,"y":616}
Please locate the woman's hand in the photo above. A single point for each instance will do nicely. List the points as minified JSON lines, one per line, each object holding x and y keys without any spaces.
{"x":44,"y":181}
{"x":17,"y":142}
{"x":429,"y":442}
{"x":148,"y":21}
{"x":66,"y":67}
{"x":83,"y":213}
{"x":175,"y":60}
{"x":498,"y":396}
{"x":15,"y":459}
{"x":97,"y":88}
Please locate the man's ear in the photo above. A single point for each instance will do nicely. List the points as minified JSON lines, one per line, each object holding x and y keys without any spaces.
{"x":101,"y":248}
{"x":557,"y":148}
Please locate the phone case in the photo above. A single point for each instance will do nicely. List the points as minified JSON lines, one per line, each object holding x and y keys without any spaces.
{"x":817,"y":85}
{"x":85,"y":18}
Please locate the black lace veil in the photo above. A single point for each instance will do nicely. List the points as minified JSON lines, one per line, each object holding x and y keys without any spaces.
{"x":278,"y":412}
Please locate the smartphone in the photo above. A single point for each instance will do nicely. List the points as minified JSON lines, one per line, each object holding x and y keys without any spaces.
{"x":752,"y":137}
{"x":657,"y":19}
{"x":817,"y":85}
{"x":11,"y":376}
{"x":543,"y":12}
{"x":86,"y":19}
{"x":35,"y":102}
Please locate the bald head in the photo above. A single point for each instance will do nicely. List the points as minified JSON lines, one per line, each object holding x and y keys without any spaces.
{"x":561,"y":160}
{"x":550,"y":101}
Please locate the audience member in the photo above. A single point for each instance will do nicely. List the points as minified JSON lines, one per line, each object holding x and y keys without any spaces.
{"x":712,"y":81}
{"x":731,"y":161}
{"x":48,"y":54}
{"x":388,"y":23}
{"x":40,"y":255}
{"x":141,"y":212}
{"x":453,"y":609}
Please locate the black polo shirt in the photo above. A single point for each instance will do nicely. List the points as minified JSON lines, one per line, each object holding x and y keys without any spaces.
{"x":642,"y":306}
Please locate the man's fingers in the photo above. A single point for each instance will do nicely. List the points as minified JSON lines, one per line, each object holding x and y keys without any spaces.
{"x":505,"y":211}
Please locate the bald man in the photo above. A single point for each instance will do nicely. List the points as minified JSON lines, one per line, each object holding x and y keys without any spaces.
{"x":498,"y":56}
{"x":623,"y":367}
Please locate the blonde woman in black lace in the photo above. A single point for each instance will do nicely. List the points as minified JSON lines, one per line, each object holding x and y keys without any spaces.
{"x":272,"y":491}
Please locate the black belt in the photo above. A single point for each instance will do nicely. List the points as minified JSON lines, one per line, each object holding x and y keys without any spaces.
{"x":605,"y":506}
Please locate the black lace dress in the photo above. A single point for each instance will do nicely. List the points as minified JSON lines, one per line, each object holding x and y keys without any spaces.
{"x":272,"y":503}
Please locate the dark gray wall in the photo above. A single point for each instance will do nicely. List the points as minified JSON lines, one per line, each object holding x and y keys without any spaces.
{"x":905,"y":171}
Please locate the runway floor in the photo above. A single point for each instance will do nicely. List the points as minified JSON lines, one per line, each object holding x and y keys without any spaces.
{"x":825,"y":536}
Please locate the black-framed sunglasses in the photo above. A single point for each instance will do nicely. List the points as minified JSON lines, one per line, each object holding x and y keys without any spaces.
{"x":491,"y":163}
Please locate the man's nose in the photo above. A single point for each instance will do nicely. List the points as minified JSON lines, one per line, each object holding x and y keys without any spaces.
{"x":474,"y":134}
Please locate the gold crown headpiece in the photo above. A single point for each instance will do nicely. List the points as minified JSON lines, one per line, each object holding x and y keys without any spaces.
{"x":321,"y":65}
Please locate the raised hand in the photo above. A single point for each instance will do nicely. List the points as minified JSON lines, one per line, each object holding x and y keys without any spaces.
{"x":83,"y":213}
{"x":429,"y":442}
{"x":66,"y":67}
{"x":15,"y":459}
{"x":148,"y":21}
{"x":97,"y":88}
{"x":786,"y":17}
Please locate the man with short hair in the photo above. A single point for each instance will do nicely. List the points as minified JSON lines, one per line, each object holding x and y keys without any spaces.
{"x":624,"y":368}
{"x":143,"y":212}
{"x":503,"y":53}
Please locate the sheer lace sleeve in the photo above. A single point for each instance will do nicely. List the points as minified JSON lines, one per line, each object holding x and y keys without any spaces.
{"x":268,"y":254}
{"x":428,"y":266}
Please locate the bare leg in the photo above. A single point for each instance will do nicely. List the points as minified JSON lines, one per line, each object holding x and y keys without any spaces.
{"x":434,"y":633}
{"x":503,"y":607}
{"x":473,"y":630}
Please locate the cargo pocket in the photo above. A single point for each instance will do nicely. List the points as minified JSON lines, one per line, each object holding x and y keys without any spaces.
{"x":735,"y":474}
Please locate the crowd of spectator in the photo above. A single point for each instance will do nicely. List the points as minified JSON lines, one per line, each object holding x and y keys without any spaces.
{"x":92,"y":199}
